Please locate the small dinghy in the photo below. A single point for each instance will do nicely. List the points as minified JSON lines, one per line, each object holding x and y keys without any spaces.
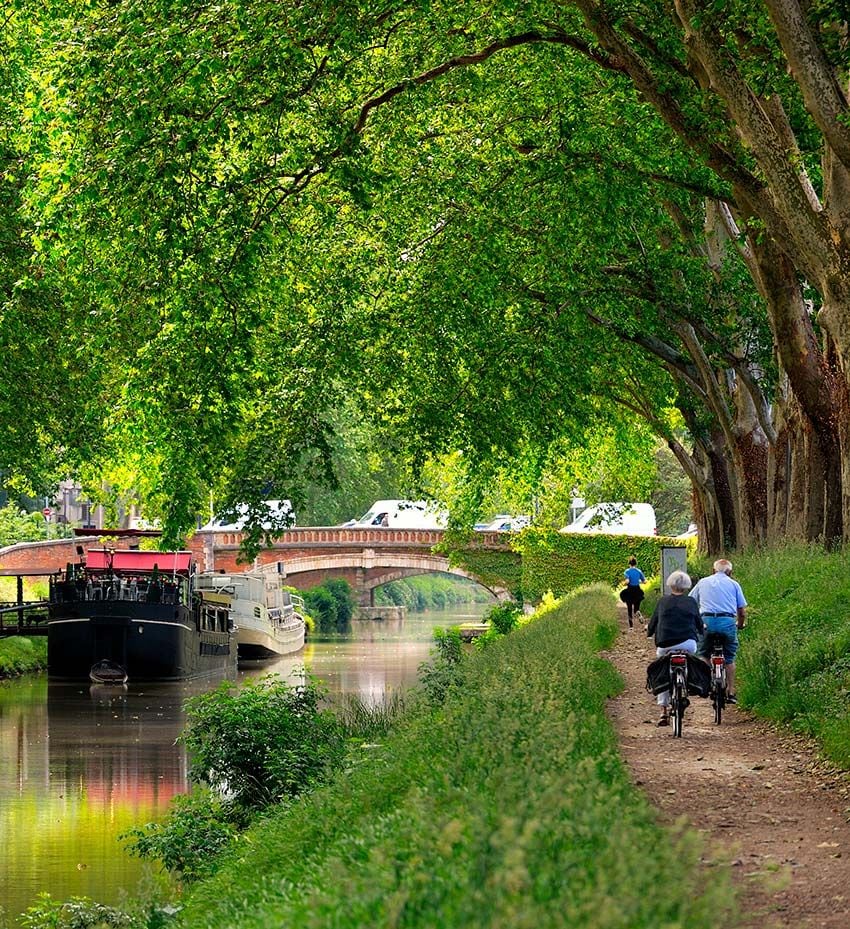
{"x":107,"y":672}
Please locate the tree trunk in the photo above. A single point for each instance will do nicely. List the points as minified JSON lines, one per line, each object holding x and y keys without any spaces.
{"x":818,"y":390}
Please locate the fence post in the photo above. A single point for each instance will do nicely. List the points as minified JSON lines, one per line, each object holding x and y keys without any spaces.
{"x":20,"y":601}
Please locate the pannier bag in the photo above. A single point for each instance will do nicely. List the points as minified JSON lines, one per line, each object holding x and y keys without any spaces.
{"x":699,"y":676}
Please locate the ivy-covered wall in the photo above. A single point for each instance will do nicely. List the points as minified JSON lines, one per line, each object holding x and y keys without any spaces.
{"x":545,"y":559}
{"x":560,"y":561}
{"x":493,"y":569}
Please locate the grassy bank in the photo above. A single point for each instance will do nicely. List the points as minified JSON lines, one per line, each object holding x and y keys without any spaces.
{"x":794,"y":663}
{"x":18,"y":655}
{"x":507,"y":805}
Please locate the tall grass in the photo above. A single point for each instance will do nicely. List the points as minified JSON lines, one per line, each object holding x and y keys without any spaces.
{"x":19,"y":654}
{"x":794,"y":662}
{"x":505,"y":805}
{"x":368,"y":721}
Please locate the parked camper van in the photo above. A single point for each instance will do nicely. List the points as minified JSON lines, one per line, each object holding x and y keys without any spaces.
{"x":616,"y":519}
{"x":403,"y":514}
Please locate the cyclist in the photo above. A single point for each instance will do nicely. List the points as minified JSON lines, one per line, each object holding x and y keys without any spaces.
{"x":723,"y":608}
{"x":632,"y":594}
{"x":676,"y":625}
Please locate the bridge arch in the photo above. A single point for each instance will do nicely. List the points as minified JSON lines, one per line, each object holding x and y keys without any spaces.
{"x":369,"y":570}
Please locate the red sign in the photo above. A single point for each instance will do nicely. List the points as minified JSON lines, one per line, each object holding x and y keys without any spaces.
{"x":47,"y":512}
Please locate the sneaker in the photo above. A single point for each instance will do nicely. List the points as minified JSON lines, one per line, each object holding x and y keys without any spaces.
{"x":731,"y":698}
{"x":664,"y":721}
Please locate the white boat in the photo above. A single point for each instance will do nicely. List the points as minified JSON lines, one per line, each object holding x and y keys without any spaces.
{"x":267,"y":618}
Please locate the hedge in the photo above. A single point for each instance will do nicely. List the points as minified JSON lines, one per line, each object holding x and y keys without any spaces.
{"x":545,"y":559}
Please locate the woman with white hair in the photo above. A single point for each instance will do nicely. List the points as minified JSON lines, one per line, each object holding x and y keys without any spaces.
{"x":676,"y":625}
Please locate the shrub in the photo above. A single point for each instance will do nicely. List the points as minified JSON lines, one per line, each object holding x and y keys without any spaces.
{"x":504,"y":617}
{"x":261,"y":742}
{"x":19,"y":654}
{"x":340,"y":590}
{"x":321,"y":604}
{"x":444,"y":671}
{"x":77,"y":913}
{"x":191,"y":837}
{"x":332,"y":604}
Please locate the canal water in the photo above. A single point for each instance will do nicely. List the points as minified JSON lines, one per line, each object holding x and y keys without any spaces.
{"x":81,"y":765}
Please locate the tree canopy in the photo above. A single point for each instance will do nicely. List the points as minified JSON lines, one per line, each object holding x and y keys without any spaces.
{"x":508,"y":231}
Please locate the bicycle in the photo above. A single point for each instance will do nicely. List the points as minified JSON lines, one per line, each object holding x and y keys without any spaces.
{"x":717,"y":662}
{"x":678,"y":690}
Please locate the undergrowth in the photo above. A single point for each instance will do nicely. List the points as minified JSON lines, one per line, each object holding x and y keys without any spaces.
{"x":502,"y":803}
{"x":794,"y":662}
{"x":18,"y":655}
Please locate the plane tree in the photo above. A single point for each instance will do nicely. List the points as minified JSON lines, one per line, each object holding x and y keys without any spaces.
{"x":228,"y":202}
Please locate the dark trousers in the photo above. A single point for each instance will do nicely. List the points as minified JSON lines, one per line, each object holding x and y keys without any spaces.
{"x":632,"y":597}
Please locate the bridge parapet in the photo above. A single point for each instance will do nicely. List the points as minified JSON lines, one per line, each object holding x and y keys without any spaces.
{"x":351,"y":536}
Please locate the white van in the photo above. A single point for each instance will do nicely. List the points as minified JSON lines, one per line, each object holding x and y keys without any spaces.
{"x":616,"y":519}
{"x":403,"y":514}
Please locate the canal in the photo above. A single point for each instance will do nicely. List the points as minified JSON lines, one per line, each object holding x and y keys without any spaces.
{"x":81,"y":765}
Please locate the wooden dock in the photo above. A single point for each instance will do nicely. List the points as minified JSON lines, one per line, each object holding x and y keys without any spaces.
{"x":470,"y":631}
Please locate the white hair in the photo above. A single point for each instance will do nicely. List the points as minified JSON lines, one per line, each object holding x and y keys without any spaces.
{"x":722,"y":566}
{"x":680,"y":581}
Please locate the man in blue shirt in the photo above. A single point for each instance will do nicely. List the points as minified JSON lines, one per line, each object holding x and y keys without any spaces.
{"x":723,"y":608}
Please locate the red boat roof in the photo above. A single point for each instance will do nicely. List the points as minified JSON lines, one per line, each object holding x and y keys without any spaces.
{"x":132,"y":560}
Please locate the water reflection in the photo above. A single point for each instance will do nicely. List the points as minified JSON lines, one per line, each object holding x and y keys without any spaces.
{"x":377,"y":657}
{"x":80,"y":765}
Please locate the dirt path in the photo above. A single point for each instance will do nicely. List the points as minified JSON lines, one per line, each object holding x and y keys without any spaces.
{"x":761,"y":798}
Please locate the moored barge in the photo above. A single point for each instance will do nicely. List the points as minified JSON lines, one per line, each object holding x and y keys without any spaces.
{"x":266,"y":617}
{"x":140,"y":611}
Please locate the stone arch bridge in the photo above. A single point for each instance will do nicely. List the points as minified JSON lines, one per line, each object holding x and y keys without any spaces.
{"x":366,"y":557}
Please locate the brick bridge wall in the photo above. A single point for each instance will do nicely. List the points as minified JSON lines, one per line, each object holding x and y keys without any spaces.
{"x":366,"y":558}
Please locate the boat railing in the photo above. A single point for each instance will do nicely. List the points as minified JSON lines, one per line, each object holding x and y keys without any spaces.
{"x":286,"y":617}
{"x":139,"y":590}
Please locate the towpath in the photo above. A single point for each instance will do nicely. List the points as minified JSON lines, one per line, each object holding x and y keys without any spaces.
{"x":761,"y":798}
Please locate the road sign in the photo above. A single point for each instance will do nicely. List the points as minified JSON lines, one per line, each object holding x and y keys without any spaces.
{"x":47,"y":512}
{"x":673,"y":558}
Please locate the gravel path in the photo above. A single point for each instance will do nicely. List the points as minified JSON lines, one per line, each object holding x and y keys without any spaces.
{"x":761,"y":797}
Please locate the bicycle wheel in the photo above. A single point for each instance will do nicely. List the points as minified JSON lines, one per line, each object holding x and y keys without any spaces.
{"x":678,"y":703}
{"x":718,"y":692}
{"x":719,"y":699}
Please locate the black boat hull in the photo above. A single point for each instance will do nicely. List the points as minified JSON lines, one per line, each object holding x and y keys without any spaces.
{"x":151,"y":641}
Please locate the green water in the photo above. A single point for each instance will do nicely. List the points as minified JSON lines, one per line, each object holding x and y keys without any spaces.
{"x":80,"y":765}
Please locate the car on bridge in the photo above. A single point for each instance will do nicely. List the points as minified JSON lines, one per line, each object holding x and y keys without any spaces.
{"x":402,"y":514}
{"x":616,"y":519}
{"x":278,"y":513}
{"x":504,"y":522}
